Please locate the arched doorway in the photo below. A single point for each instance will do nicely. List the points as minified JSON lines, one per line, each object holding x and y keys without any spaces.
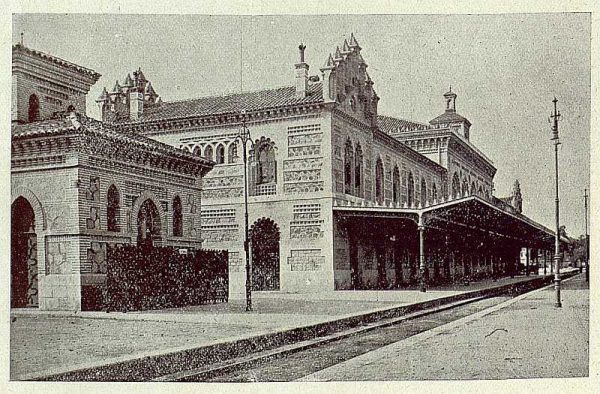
{"x":148,"y":224}
{"x":264,"y":238}
{"x":24,"y":283}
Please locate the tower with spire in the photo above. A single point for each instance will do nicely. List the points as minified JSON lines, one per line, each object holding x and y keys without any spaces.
{"x":516,"y":198}
{"x":127,"y":101}
{"x":346,"y":82}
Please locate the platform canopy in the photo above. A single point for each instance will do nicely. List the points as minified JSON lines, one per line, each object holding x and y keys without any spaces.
{"x":472,"y":214}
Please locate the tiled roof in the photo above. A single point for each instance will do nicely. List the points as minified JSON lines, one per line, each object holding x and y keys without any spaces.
{"x":449,"y":117}
{"x":89,"y":72}
{"x":390,"y":125}
{"x":52,"y":127}
{"x":231,"y":104}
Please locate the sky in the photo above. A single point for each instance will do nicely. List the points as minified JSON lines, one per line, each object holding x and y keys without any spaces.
{"x":505,"y":69}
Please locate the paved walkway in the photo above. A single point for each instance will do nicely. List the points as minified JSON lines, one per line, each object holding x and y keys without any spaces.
{"x":44,"y":342}
{"x":526,"y":337}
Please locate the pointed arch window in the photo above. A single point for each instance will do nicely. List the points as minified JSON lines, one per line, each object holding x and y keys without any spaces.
{"x":265,"y":163}
{"x":197,"y":151}
{"x":220,"y":157}
{"x":379,"y":181}
{"x":177,"y":217}
{"x":348,"y":164}
{"x":423,"y":192}
{"x":232,"y":152}
{"x":396,"y":185}
{"x":410,"y":190}
{"x":455,"y":186}
{"x":473,"y":188}
{"x":34,"y":108}
{"x":434,"y":195}
{"x":208,"y":152}
{"x":112,"y":209}
{"x":358,"y":164}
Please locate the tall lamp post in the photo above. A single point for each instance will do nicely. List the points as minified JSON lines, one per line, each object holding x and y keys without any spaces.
{"x":244,"y":137}
{"x":587,"y":239}
{"x":555,"y":117}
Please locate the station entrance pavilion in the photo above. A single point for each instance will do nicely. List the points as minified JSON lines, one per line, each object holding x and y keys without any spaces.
{"x":462,"y":240}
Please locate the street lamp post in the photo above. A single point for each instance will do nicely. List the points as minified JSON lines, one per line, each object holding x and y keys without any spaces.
{"x":555,"y":117}
{"x":244,"y":137}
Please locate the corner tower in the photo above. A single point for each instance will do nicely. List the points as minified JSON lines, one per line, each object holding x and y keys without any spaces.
{"x":126,"y":102}
{"x":44,"y":85}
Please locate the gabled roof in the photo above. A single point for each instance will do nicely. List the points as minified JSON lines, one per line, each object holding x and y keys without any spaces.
{"x":63,"y":63}
{"x":390,"y":125}
{"x":231,"y":104}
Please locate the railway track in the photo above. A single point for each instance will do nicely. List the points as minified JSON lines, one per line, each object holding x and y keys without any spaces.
{"x":293,"y":361}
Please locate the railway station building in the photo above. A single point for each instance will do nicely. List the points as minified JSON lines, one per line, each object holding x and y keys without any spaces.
{"x":340,"y":196}
{"x":78,"y":185}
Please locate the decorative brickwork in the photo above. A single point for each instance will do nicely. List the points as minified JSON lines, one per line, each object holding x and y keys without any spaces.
{"x":96,"y":258}
{"x":310,"y":150}
{"x":307,"y":222}
{"x":219,"y":225}
{"x":92,"y":192}
{"x":305,"y":259}
{"x":308,"y":187}
{"x":222,"y":194}
{"x":93,"y":221}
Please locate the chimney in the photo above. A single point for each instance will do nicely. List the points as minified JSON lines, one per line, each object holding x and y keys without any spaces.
{"x":301,"y":74}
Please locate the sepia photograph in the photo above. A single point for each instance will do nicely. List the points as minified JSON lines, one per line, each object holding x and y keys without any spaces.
{"x":291,"y":197}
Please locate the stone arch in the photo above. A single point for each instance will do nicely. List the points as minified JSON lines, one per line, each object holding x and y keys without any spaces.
{"x":35,"y":204}
{"x":137,"y":204}
{"x":465,"y":187}
{"x":24,"y":255}
{"x":197,"y":150}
